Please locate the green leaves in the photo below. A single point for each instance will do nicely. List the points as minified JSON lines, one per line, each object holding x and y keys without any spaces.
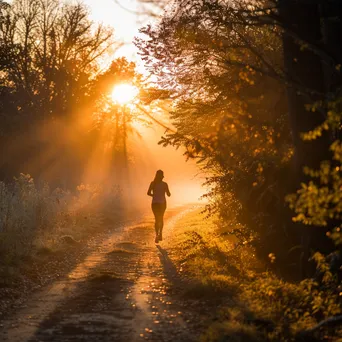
{"x":319,"y":201}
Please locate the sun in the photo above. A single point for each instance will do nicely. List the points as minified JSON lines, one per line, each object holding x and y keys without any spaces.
{"x":124,"y":93}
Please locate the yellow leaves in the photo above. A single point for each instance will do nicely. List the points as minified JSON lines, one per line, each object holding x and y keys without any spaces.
{"x":316,"y":203}
{"x":260,"y":169}
{"x":336,"y":148}
{"x":257,"y":151}
{"x":336,"y":235}
{"x":333,"y":120}
{"x":325,"y":126}
{"x":312,"y":135}
{"x":245,"y":75}
{"x":272,"y":257}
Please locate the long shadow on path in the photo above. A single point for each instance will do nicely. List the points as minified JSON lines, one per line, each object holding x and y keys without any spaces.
{"x":169,"y":268}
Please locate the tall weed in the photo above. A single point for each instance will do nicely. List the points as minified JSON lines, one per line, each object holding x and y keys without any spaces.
{"x":34,"y":216}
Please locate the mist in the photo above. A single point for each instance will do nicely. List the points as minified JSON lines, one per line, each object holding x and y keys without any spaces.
{"x":183,"y":177}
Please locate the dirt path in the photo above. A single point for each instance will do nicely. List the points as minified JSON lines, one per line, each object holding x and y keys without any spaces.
{"x":127,"y":290}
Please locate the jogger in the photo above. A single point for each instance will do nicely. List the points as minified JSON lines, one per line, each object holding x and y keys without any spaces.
{"x":157,"y":191}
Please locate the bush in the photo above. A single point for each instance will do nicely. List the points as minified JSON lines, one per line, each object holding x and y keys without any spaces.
{"x":33,"y":217}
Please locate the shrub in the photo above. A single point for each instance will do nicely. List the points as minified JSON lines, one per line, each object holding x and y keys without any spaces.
{"x":33,"y":216}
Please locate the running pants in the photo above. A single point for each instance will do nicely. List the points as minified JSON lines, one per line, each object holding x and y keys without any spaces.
{"x":158,"y":211}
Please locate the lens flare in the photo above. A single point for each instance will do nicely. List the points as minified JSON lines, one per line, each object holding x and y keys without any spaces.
{"x":124,"y":93}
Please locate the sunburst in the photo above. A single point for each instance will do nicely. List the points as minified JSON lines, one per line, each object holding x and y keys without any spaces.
{"x":124,"y":93}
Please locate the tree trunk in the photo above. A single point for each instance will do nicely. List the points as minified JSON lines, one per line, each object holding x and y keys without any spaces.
{"x":331,"y":14}
{"x":304,"y":67}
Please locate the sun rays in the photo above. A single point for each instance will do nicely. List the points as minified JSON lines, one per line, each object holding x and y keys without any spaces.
{"x":124,"y":93}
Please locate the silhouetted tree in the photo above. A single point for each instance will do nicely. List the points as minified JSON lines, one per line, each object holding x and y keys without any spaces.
{"x":115,"y":119}
{"x":52,"y":55}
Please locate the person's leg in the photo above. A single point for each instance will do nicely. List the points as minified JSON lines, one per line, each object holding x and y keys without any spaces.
{"x":155,"y":213}
{"x":158,"y":220}
{"x":161,"y":218}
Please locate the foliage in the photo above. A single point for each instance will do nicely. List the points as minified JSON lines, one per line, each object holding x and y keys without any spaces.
{"x":251,"y":302}
{"x":33,"y":216}
{"x":318,"y":202}
{"x":229,"y":105}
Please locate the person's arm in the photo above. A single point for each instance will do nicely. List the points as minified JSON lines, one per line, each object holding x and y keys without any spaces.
{"x":150,"y":189}
{"x":167,"y":190}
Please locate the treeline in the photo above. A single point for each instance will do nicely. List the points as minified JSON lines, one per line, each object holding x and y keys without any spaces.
{"x":256,"y":89}
{"x":55,"y":85}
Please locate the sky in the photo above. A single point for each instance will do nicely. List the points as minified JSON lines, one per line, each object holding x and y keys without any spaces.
{"x":125,"y":23}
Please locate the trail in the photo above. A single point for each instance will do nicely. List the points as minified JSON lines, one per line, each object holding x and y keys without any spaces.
{"x":126,"y":290}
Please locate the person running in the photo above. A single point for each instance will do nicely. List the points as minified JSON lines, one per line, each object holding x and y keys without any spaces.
{"x":157,"y":191}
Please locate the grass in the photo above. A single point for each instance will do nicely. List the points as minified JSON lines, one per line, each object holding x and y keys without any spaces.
{"x":37,"y":222}
{"x":255,"y":305}
{"x":232,"y":331}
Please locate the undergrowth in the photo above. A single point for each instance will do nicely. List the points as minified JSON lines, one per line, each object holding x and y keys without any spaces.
{"x":255,"y":304}
{"x":35,"y":220}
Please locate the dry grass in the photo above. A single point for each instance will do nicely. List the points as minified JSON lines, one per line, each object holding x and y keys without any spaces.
{"x":37,"y":220}
{"x":256,"y":304}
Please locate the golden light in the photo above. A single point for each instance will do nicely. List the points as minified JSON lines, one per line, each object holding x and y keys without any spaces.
{"x":124,"y":93}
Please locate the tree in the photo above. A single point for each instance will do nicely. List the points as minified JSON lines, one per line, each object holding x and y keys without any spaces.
{"x":56,"y":50}
{"x":116,"y":119}
{"x":54,"y":54}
